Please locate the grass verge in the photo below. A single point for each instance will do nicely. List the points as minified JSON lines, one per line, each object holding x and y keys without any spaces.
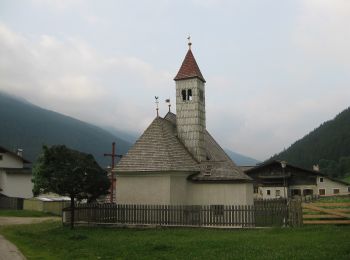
{"x":24,"y":213}
{"x":50,"y":240}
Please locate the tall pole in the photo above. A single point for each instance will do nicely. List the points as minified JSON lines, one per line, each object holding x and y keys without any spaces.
{"x":113,"y":155}
{"x":283,"y":165}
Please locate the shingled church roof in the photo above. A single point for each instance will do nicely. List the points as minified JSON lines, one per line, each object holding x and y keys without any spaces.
{"x":189,"y":68}
{"x":160,"y":150}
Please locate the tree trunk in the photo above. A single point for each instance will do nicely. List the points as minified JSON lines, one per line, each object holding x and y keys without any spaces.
{"x":72,"y":212}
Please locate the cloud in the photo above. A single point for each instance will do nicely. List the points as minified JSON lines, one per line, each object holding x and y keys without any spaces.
{"x":322,"y":31}
{"x":58,"y":5}
{"x":70,"y":77}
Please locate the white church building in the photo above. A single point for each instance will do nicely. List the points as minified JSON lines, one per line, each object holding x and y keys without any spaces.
{"x":176,"y":161}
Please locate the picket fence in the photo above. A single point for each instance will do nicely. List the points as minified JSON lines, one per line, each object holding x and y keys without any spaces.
{"x":260,"y":215}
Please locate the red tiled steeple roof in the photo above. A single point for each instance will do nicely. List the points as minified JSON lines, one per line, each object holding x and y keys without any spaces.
{"x":189,"y":68}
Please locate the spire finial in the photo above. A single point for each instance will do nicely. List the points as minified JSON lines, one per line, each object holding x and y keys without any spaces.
{"x":169,"y":104}
{"x":157,"y":102}
{"x":189,"y":41}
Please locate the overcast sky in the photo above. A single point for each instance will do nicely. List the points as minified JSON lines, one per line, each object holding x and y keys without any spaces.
{"x":275,"y":70}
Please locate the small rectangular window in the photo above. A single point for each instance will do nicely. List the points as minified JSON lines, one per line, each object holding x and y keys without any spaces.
{"x":322,"y":192}
{"x":256,"y":189}
{"x":0,"y":157}
{"x":335,"y":191}
{"x":268,"y":192}
{"x":278,"y":193}
{"x":321,"y":179}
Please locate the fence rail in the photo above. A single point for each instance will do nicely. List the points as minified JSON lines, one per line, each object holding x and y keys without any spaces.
{"x":326,"y":213}
{"x":184,"y":215}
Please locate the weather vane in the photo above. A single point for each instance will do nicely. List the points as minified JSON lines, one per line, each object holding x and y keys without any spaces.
{"x":168,"y":101}
{"x":189,"y":41}
{"x":157,"y":102}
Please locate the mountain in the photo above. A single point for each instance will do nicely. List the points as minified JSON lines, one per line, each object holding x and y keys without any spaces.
{"x":328,"y":145}
{"x":240,"y":159}
{"x":26,"y":126}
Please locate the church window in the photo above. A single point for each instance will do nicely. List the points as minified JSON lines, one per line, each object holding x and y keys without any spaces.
{"x":183,"y":93}
{"x":186,"y":94}
{"x":189,"y":94}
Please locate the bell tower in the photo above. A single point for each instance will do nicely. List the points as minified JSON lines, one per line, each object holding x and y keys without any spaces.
{"x":190,"y":106}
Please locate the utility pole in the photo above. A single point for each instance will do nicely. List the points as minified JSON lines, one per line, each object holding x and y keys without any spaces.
{"x":113,"y":155}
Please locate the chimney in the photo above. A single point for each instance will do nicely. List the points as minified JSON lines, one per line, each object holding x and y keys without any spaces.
{"x":20,"y":152}
{"x":316,"y":168}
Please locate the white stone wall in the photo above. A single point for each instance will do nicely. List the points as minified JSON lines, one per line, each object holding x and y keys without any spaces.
{"x":220,"y":194}
{"x":10,"y":161}
{"x":16,"y":184}
{"x":190,"y":117}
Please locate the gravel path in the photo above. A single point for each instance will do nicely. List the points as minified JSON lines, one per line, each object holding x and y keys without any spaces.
{"x":9,"y":251}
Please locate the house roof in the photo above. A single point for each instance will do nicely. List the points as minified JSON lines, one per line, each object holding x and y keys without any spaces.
{"x":159,"y":149}
{"x":189,"y":68}
{"x":288,"y":165}
{"x":4,"y":150}
{"x":25,"y":170}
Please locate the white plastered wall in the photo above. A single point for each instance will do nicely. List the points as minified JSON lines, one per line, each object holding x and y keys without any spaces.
{"x":136,"y":189}
{"x":220,"y":194}
{"x":262,"y":192}
{"x":17,"y":185}
{"x":330,"y":185}
{"x":10,"y":161}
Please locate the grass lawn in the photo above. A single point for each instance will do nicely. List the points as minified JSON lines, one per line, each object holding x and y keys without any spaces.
{"x":52,"y":241}
{"x":23,"y":213}
{"x":336,"y":199}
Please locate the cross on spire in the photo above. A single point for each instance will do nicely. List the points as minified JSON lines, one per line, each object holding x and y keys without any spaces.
{"x":189,"y":41}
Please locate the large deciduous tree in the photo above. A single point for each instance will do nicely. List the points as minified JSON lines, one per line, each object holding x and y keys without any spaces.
{"x":70,"y":173}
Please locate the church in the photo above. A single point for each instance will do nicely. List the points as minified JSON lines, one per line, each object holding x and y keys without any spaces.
{"x":176,"y":161}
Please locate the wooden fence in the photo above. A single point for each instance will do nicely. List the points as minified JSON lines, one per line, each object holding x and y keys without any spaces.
{"x":181,"y":215}
{"x":326,"y":213}
{"x":11,"y":203}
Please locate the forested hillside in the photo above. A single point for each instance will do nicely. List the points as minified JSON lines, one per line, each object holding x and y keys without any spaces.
{"x":328,"y":145}
{"x":27,"y":126}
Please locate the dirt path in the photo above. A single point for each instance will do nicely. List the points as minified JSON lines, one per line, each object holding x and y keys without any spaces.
{"x":9,"y":251}
{"x":4,"y":221}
